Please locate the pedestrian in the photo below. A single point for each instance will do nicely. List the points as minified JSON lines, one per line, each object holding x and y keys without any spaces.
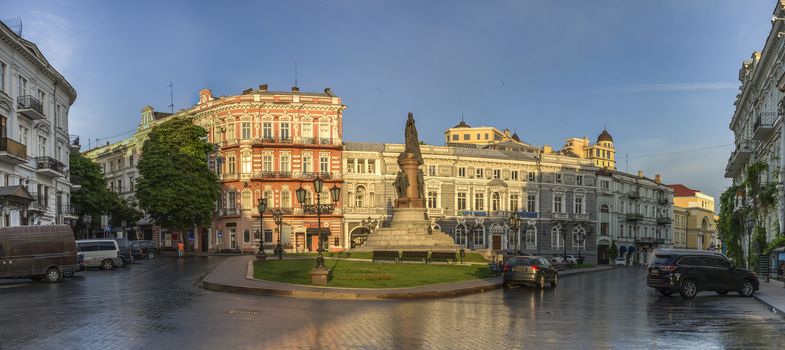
{"x":180,"y":249}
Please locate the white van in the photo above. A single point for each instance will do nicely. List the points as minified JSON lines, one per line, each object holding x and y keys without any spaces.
{"x":103,"y":253}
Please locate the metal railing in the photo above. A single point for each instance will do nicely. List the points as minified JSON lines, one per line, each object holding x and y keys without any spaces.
{"x":323,"y":208}
{"x":30,"y":102}
{"x":12,"y":147}
{"x":294,"y":140}
{"x":271,"y":175}
{"x":310,"y":175}
{"x":49,"y":163}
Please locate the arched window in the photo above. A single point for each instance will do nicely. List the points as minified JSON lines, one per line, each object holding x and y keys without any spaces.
{"x":495,"y":201}
{"x":705,"y":224}
{"x":556,"y":239}
{"x":531,"y":238}
{"x":460,"y":235}
{"x":286,"y":199}
{"x":247,"y":199}
{"x":479,"y":235}
{"x":578,"y":238}
{"x":514,"y":239}
{"x":605,"y":208}
{"x":269,"y":196}
{"x":359,"y":197}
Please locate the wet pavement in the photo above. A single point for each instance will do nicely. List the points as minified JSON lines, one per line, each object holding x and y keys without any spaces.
{"x":158,"y":304}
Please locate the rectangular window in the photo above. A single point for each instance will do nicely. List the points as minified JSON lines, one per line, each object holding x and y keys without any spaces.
{"x":621,"y":230}
{"x":285,"y":131}
{"x":246,"y":160}
{"x":2,"y":76}
{"x":324,"y":133}
{"x":466,"y":137}
{"x":350,"y":165}
{"x":579,"y":180}
{"x":361,"y":165}
{"x":131,"y":161}
{"x":514,"y":175}
{"x":514,"y":202}
{"x":285,"y":165}
{"x":267,"y":130}
{"x":306,"y":131}
{"x":478,"y":173}
{"x":479,"y":201}
{"x":307,"y":163}
{"x":246,"y":130}
{"x":487,"y":136}
{"x":532,"y":177}
{"x":461,"y":172}
{"x":230,"y":163}
{"x":558,"y":206}
{"x":336,"y":242}
{"x":431,"y":170}
{"x":131,"y":183}
{"x":267,"y":163}
{"x":531,"y":203}
{"x":231,"y":200}
{"x":268,"y":235}
{"x":230,"y":136}
{"x":432,"y":199}
{"x":21,"y":86}
{"x":578,"y":207}
{"x":455,"y":137}
{"x":371,"y":166}
{"x":497,"y":173}
{"x":246,"y":236}
{"x":120,"y":186}
{"x":41,"y":146}
{"x":558,"y":178}
{"x":461,"y":201}
{"x":604,"y":228}
{"x":324,"y":164}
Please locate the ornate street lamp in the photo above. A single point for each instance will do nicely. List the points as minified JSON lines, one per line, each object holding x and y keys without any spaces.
{"x":335,"y":191}
{"x":261,"y":256}
{"x":278,"y":217}
{"x":750,"y":224}
{"x":87,"y":219}
{"x":514,"y":222}
{"x":579,"y":237}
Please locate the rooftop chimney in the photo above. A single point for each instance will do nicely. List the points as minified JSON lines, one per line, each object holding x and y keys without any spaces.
{"x":640,"y":173}
{"x":263,"y":88}
{"x":247,"y":91}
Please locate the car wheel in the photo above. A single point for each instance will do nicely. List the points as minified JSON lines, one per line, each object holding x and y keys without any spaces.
{"x":688,"y":289}
{"x":746,"y":289}
{"x":722,"y":292}
{"x":68,"y":274}
{"x":151,"y":255}
{"x":665,"y":292}
{"x":52,"y":275}
{"x":107,"y":264}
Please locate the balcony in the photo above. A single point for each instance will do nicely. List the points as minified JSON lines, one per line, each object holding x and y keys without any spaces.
{"x":67,"y":210}
{"x":738,"y":158}
{"x":311,"y":209}
{"x":634,"y":194}
{"x":49,"y":166}
{"x":271,"y":175}
{"x":356,"y":210}
{"x":230,"y":177}
{"x":311,"y":176}
{"x":435,"y":211}
{"x":663,"y":201}
{"x":30,"y":107}
{"x":230,"y":212}
{"x":664,"y":220}
{"x":560,"y":216}
{"x":634,"y":217}
{"x":763,"y":126}
{"x":292,"y":140}
{"x":38,"y":204}
{"x":581,"y":217}
{"x":12,"y":152}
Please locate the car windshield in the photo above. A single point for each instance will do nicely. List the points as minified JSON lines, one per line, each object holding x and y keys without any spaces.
{"x":660,"y":260}
{"x":523,"y":261}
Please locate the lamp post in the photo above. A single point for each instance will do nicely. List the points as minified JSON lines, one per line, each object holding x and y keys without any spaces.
{"x":579,"y":238}
{"x":87,"y":219}
{"x":261,"y":256}
{"x":750,"y":224}
{"x":278,"y":217}
{"x":514,"y":221}
{"x":335,"y":191}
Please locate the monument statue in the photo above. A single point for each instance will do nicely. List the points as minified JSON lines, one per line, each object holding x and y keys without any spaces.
{"x":400,"y":184}
{"x":421,"y":183}
{"x":412,"y":140}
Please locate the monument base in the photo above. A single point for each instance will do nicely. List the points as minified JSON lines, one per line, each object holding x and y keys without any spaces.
{"x":409,"y":231}
{"x":320,"y":276}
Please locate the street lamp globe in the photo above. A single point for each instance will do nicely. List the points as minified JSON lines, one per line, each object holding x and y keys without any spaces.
{"x":262,"y":205}
{"x":335,"y":192}
{"x":750,"y":223}
{"x":300,"y":192}
{"x":317,"y":184}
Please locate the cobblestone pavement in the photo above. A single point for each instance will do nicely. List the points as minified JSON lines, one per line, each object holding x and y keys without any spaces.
{"x":157,"y":305}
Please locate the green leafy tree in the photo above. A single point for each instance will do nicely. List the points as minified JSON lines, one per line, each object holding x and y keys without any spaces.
{"x":175,"y":187}
{"x":93,"y":198}
{"x":730,"y":226}
{"x":124,"y":211}
{"x":613,"y":252}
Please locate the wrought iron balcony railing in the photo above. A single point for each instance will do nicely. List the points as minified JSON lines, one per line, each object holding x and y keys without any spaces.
{"x":322,"y":208}
{"x":30,"y":102}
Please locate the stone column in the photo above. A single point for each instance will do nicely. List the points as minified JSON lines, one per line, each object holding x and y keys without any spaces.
{"x":410,"y":167}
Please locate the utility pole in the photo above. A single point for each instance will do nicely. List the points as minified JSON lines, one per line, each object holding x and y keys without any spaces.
{"x":171,"y":96}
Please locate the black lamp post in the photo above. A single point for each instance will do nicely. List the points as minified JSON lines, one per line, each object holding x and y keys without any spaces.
{"x":261,"y":256}
{"x":579,"y":237}
{"x":87,"y":219}
{"x":335,"y":191}
{"x":750,"y":224}
{"x":278,"y":217}
{"x":514,"y":221}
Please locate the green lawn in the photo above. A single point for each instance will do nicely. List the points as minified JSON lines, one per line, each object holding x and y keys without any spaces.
{"x":470,"y":257}
{"x":362,"y":274}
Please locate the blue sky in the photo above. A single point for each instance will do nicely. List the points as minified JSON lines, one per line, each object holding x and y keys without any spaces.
{"x":662,"y":75}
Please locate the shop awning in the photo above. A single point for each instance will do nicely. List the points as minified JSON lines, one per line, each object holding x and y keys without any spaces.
{"x":315,"y":231}
{"x":622,"y":250}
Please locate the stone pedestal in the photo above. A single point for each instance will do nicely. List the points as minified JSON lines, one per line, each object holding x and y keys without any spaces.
{"x":320,"y":276}
{"x":411,"y":167}
{"x":409,"y":231}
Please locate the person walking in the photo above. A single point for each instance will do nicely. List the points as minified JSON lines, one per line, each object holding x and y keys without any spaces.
{"x":180,"y":249}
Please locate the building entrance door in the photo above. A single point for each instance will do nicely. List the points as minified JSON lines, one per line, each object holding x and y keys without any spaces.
{"x":602,"y":254}
{"x":497,"y":242}
{"x":203,"y":241}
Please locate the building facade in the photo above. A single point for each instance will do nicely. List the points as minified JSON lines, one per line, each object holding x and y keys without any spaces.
{"x":757,"y":126}
{"x":698,"y":215}
{"x":470,"y":194}
{"x":35,"y":185}
{"x":602,"y":153}
{"x":464,"y":134}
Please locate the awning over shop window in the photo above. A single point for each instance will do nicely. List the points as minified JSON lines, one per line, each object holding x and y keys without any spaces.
{"x":631,"y":250}
{"x":622,"y":250}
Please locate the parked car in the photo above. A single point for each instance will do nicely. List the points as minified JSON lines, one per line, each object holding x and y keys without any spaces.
{"x":144,"y":249}
{"x":37,"y":252}
{"x":572,"y":260}
{"x":531,"y":270}
{"x":691,"y":271}
{"x":103,"y":253}
{"x":125,"y":251}
{"x":620,"y":261}
{"x":559,"y":259}
{"x":80,"y":260}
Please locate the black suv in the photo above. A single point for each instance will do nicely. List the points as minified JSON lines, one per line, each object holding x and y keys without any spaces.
{"x":691,"y":271}
{"x":144,"y":249}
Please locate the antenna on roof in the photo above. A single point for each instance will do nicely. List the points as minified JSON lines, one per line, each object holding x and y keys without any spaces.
{"x":295,"y":71}
{"x":461,"y":116}
{"x":171,"y":96}
{"x":15,"y":24}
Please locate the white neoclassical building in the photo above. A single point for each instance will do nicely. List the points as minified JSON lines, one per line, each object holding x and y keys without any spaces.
{"x":35,"y":187}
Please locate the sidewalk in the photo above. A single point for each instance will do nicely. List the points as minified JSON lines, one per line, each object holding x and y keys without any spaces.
{"x":772,"y":294}
{"x":235,"y":275}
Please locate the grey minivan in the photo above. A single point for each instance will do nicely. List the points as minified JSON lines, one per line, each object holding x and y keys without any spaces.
{"x":37,"y":252}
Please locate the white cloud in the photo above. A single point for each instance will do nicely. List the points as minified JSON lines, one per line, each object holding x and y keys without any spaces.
{"x":54,"y":37}
{"x":668,"y":87}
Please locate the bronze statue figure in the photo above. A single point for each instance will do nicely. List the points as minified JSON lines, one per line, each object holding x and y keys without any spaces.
{"x":412,"y":140}
{"x":421,"y":183}
{"x":400,"y":184}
